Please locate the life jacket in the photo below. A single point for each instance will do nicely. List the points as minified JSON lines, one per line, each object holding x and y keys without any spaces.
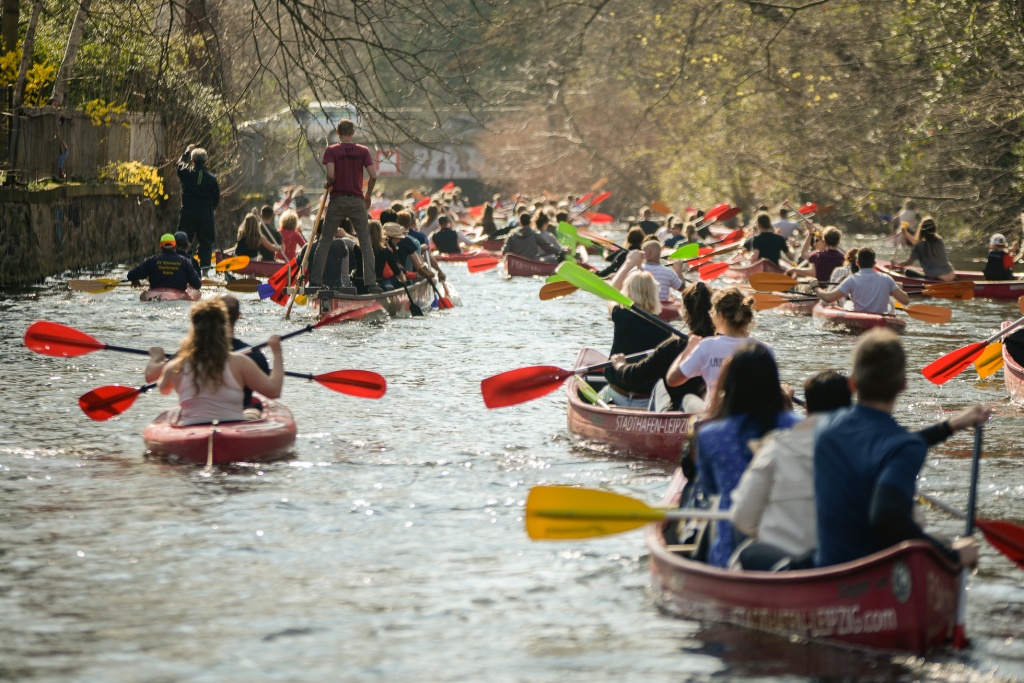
{"x":999,"y":266}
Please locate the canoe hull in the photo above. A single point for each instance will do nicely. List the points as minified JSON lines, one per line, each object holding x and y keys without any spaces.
{"x":517,"y":266}
{"x":395,"y":302}
{"x":743,"y":272}
{"x":463,"y":256}
{"x":1013,"y":375}
{"x":171,"y":295}
{"x":902,"y":599}
{"x":269,"y":438}
{"x":855,"y":322}
{"x":262,"y":269}
{"x":656,"y":436}
{"x":986,"y":289}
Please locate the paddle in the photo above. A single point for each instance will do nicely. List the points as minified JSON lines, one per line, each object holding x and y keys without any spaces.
{"x":709,"y":271}
{"x":763,"y":302}
{"x":229,"y":263}
{"x":557,"y":289}
{"x":54,"y":339}
{"x":687,"y":252}
{"x":112,"y":400}
{"x":561,"y":512}
{"x":590,"y":282}
{"x":525,"y":384}
{"x":958,"y":291}
{"x":936,"y":315}
{"x":318,"y":228}
{"x":661,"y":207}
{"x":481,"y":264}
{"x":952,"y":364}
{"x":443,"y":302}
{"x":1005,"y":537}
{"x":414,"y":307}
{"x":990,"y":361}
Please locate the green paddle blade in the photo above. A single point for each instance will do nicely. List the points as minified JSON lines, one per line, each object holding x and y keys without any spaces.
{"x":691,"y":250}
{"x":571,"y":231}
{"x":587,"y":281}
{"x":588,"y":392}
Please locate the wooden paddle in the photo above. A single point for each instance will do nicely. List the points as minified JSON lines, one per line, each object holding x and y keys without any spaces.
{"x":557,"y":289}
{"x":1005,"y":537}
{"x":952,"y":364}
{"x":112,"y":400}
{"x":763,"y":301}
{"x":525,"y":384}
{"x":563,"y":512}
{"x":661,"y":207}
{"x":774,"y":282}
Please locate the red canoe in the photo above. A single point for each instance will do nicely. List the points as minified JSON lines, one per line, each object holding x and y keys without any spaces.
{"x":1013,"y":375}
{"x":268,"y":438}
{"x":987,"y":289}
{"x":743,"y":272}
{"x":255,"y":268}
{"x":657,"y":436}
{"x":902,"y":599}
{"x":840,"y":319}
{"x":171,"y":295}
{"x":466,"y":255}
{"x":517,"y":266}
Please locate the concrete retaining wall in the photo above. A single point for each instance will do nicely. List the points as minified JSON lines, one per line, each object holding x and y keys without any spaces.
{"x":47,"y":232}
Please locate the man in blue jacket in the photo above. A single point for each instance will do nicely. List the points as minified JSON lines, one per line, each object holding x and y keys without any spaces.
{"x":166,"y":270}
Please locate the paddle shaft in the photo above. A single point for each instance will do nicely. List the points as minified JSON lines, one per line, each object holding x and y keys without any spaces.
{"x":317,"y":229}
{"x":959,"y":637}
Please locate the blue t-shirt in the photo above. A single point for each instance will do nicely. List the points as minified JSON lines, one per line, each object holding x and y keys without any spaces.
{"x":722,"y":457}
{"x":856,"y":450}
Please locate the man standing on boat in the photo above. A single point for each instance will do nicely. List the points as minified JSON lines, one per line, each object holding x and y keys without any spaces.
{"x":200,"y":195}
{"x":346,"y":162}
{"x":866,"y":465}
{"x":869,"y":289}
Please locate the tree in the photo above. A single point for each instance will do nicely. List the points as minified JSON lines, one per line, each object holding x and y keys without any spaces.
{"x":74,"y":41}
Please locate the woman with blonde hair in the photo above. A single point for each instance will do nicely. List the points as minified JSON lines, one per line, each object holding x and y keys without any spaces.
{"x":633,"y":333}
{"x":291,"y":235}
{"x":209,"y":379}
{"x":732,"y":313}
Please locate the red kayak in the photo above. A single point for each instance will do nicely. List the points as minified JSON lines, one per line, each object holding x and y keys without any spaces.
{"x":902,"y":599}
{"x":840,"y":319}
{"x":643,"y":433}
{"x":987,"y":289}
{"x":269,"y":438}
{"x":1013,"y":374}
{"x":171,"y":295}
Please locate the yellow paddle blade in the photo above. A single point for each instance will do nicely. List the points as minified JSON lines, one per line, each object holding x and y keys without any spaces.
{"x":560,"y":512}
{"x":97,"y":286}
{"x":301,"y":299}
{"x":661,"y":207}
{"x":555,"y":290}
{"x":937,"y":315}
{"x":772,"y":282}
{"x":990,"y":361}
{"x":232,"y":263}
{"x":763,"y":301}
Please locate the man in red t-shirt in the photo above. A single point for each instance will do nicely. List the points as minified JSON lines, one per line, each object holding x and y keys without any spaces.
{"x":345,"y":163}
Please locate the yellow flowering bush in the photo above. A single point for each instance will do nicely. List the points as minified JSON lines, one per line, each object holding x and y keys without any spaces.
{"x":101,"y":112}
{"x":136,"y":173}
{"x":38,"y":81}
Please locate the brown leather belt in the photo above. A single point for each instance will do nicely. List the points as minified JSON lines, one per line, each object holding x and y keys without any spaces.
{"x":628,"y":394}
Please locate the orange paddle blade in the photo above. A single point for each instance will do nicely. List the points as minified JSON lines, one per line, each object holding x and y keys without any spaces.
{"x":936,"y":315}
{"x":772,"y":282}
{"x":661,"y":207}
{"x":555,"y":290}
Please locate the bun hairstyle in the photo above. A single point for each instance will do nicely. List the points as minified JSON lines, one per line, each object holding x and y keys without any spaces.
{"x":735,"y":308}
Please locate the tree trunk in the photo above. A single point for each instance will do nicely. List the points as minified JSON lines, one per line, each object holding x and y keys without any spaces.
{"x":10,"y":25}
{"x":26,"y":53}
{"x":60,"y":87}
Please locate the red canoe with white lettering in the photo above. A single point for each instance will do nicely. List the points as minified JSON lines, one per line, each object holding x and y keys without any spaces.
{"x":658,"y":436}
{"x":517,"y":266}
{"x":902,"y":599}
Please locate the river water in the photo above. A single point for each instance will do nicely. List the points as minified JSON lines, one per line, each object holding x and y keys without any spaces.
{"x":391,"y":548}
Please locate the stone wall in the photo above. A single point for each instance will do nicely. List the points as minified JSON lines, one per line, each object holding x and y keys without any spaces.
{"x":48,"y":232}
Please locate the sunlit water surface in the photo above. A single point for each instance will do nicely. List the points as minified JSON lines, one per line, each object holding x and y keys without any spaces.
{"x":391,"y":548}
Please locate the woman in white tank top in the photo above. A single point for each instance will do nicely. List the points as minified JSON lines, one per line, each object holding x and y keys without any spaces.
{"x":209,"y":378}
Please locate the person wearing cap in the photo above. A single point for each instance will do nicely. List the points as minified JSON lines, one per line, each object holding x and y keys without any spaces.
{"x":200,"y":195}
{"x":447,"y":239}
{"x":388,"y":272}
{"x":181,"y":242}
{"x":1000,"y":263}
{"x":406,"y":250}
{"x":166,"y":270}
{"x":929,"y":248}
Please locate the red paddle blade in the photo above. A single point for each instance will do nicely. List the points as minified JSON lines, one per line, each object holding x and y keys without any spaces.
{"x":709,"y":271}
{"x":479,"y":265}
{"x":732,"y":237}
{"x":422,"y":204}
{"x":600,"y":198}
{"x":448,"y":187}
{"x":704,"y":251}
{"x":444,"y":303}
{"x":361,"y":383}
{"x":1005,"y":537}
{"x":952,"y":364}
{"x":107,"y":402}
{"x":599,"y":218}
{"x":726,"y":215}
{"x":809,"y":207}
{"x":346,"y":314}
{"x":521,"y":385}
{"x":54,"y":339}
{"x":713,"y":213}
